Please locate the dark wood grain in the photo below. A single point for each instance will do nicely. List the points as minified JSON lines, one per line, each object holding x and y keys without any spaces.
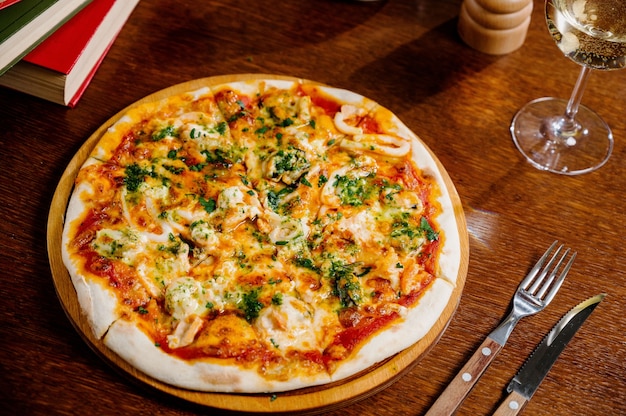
{"x":406,"y":55}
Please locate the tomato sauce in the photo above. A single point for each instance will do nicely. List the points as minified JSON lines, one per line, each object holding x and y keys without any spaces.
{"x":319,"y":99}
{"x":370,"y":125}
{"x":125,"y":148}
{"x":352,"y":337}
{"x":413,"y":297}
{"x":429,"y":253}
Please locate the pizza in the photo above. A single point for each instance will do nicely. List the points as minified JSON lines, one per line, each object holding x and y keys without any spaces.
{"x":259,"y":236}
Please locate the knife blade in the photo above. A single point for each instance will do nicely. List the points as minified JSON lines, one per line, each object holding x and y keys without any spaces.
{"x":529,"y":377}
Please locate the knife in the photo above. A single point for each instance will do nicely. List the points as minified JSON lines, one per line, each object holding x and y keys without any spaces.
{"x":532,"y":373}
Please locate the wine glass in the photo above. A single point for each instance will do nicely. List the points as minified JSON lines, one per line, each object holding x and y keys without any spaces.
{"x":565,"y":136}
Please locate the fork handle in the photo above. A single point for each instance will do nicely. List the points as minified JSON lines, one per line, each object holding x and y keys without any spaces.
{"x":512,"y":405}
{"x":458,"y":389}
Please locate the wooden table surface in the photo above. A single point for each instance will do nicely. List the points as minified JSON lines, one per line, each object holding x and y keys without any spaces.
{"x":406,"y":55}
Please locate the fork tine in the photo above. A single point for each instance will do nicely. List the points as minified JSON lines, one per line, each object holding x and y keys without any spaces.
{"x":560,"y":280}
{"x":545,"y":285}
{"x":545,"y":270}
{"x":533,"y":272}
{"x":538,"y":267}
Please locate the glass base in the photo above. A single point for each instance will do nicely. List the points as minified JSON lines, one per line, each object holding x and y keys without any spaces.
{"x":541,"y":133}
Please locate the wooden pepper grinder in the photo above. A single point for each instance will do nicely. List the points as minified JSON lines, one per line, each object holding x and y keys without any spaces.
{"x":495,"y":27}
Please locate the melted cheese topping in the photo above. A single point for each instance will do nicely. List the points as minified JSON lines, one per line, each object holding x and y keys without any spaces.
{"x":267,"y":225}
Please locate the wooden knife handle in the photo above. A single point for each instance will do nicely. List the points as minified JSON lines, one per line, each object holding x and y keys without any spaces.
{"x":512,"y":405}
{"x":460,"y":386}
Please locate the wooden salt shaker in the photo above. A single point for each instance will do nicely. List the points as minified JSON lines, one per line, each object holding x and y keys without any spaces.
{"x":495,"y":27}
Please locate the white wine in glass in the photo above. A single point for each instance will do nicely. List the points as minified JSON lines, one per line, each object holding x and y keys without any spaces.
{"x":563,"y":136}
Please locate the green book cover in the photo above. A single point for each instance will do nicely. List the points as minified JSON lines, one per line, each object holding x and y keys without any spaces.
{"x":28,"y":22}
{"x":15,"y":17}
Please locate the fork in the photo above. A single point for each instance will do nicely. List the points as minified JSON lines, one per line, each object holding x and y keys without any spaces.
{"x":534,"y":293}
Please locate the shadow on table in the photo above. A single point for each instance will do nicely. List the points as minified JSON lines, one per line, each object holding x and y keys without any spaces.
{"x":425,"y":67}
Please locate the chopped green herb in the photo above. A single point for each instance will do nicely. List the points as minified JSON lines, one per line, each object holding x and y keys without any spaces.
{"x":306,"y":263}
{"x":353,"y":191}
{"x":251,"y":306}
{"x":304,"y":181}
{"x":134,"y":176}
{"x":277,"y":299}
{"x":431,"y":234}
{"x":169,"y":131}
{"x":273,"y":197}
{"x":401,"y":227}
{"x":293,"y":160}
{"x":345,"y":284}
{"x":174,"y":248}
{"x":217,"y":156}
{"x":197,"y":167}
{"x":261,"y":130}
{"x":174,"y":169}
{"x":209,"y":205}
{"x":221,"y":128}
{"x":286,"y":122}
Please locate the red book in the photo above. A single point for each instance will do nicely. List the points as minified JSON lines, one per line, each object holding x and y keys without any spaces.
{"x":7,"y":3}
{"x":62,"y":66}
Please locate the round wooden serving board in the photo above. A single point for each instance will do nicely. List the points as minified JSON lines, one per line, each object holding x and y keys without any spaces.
{"x":307,"y":400}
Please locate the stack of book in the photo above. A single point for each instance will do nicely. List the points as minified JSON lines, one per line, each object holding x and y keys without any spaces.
{"x":52,"y":48}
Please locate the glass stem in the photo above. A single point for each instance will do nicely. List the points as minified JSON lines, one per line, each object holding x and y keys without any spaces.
{"x":577,"y":95}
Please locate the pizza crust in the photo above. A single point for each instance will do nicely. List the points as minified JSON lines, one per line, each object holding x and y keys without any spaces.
{"x":415,"y":325}
{"x":98,"y":304}
{"x":136,"y":348}
{"x":130,"y":343}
